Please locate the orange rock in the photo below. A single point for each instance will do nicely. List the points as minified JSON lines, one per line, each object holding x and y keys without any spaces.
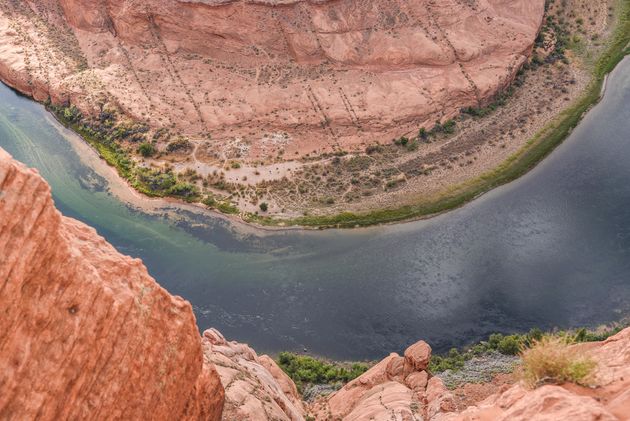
{"x":417,"y":380}
{"x":85,"y":332}
{"x":256,"y":389}
{"x":417,"y":357}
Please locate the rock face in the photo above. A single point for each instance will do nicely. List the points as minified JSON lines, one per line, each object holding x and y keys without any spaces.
{"x":85,"y":332}
{"x":256,"y":389}
{"x":270,"y":75}
{"x":609,"y":400}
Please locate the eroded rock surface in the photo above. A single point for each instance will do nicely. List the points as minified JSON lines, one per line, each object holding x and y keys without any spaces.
{"x":256,"y":389}
{"x":295,"y":76}
{"x":85,"y":332}
{"x":396,"y":388}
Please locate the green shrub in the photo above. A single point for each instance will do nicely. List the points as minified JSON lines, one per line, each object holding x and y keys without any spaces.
{"x":308,"y":370}
{"x":179,"y":145}
{"x":146,"y":149}
{"x":264,"y":206}
{"x":71,"y":114}
{"x":509,"y":345}
{"x":449,"y":127}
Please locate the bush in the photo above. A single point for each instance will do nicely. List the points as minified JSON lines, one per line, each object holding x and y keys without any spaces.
{"x":154,"y":181}
{"x":264,"y":206}
{"x":183,"y":190}
{"x":510,"y":345}
{"x":71,"y":114}
{"x":146,"y":149}
{"x":449,"y":127}
{"x":553,"y":360}
{"x":304,"y":369}
{"x":179,"y":145}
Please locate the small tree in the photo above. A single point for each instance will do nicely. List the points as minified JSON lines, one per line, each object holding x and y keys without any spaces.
{"x":264,"y":206}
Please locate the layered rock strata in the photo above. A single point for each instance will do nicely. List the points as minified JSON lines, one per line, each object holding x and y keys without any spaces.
{"x":269,"y":77}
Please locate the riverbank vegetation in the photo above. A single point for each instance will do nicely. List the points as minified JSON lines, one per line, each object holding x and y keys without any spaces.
{"x":107,"y":135}
{"x":307,"y":371}
{"x":539,"y":356}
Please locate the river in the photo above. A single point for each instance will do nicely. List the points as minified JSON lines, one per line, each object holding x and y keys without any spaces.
{"x":551,"y":249}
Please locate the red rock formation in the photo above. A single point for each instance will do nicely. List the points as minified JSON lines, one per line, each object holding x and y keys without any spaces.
{"x":256,"y":389}
{"x":608,"y":400}
{"x":85,"y":332}
{"x":397,"y":386}
{"x":325,"y":74}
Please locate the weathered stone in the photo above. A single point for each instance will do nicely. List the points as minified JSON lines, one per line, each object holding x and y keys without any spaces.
{"x":85,"y":332}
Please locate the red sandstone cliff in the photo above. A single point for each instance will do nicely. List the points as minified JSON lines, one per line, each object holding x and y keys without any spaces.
{"x":85,"y":332}
{"x":270,"y":75}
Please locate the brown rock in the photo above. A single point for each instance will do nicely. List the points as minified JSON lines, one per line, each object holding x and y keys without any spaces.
{"x":347,"y":398}
{"x":256,"y":389}
{"x":85,"y":332}
{"x":439,"y":398}
{"x":395,"y":367}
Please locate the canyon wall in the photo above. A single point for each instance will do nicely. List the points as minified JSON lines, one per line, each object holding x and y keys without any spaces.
{"x":85,"y":332}
{"x":268,"y":77}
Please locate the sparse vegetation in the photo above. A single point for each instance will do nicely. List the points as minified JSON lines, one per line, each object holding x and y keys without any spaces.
{"x":305,"y":370}
{"x":146,"y":149}
{"x":515,"y":344}
{"x":553,"y":360}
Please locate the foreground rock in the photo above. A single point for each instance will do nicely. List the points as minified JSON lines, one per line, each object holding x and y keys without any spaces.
{"x":609,"y":400}
{"x":85,"y":332}
{"x":256,"y":389}
{"x":395,"y":388}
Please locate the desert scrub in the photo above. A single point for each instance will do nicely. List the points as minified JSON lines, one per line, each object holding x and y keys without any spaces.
{"x":553,"y":360}
{"x":513,"y":345}
{"x":146,"y":149}
{"x":305,"y":370}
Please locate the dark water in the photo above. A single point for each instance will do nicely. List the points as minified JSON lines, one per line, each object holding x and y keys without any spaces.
{"x":550,"y":250}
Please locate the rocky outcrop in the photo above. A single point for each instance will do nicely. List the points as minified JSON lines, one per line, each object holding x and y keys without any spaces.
{"x":256,"y":389}
{"x":608,"y":400}
{"x":395,"y":388}
{"x":85,"y":332}
{"x":297,"y":76}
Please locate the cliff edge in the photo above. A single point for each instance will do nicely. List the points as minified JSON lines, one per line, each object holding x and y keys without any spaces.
{"x":85,"y":332}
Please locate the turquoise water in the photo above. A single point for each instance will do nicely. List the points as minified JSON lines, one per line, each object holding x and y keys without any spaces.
{"x":552,"y":249}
